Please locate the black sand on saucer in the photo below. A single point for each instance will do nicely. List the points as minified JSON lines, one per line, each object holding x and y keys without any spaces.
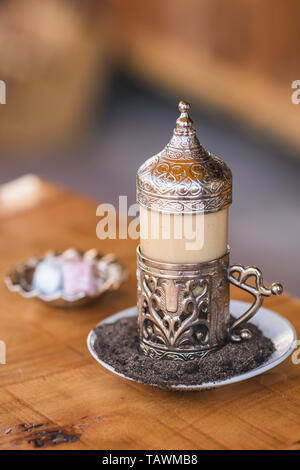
{"x":117,"y":345}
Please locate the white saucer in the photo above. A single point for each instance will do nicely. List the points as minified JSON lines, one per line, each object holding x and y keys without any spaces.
{"x":273,"y":326}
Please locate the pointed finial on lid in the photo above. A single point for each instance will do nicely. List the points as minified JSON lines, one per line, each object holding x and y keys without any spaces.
{"x":184,"y":124}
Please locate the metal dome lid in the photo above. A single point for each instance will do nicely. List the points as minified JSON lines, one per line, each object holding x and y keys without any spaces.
{"x":184,"y":177}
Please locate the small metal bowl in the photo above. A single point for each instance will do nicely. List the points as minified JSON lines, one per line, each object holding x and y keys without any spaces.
{"x":107,"y":271}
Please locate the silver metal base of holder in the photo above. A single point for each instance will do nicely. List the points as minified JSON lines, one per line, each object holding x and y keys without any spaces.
{"x":183,"y":309}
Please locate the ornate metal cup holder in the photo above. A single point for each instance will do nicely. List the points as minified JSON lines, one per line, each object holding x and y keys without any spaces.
{"x":183,"y":309}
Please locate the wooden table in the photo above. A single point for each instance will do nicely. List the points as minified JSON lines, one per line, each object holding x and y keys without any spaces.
{"x":51,"y":381}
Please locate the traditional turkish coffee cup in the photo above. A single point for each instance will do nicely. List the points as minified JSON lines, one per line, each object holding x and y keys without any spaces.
{"x":183,"y":295}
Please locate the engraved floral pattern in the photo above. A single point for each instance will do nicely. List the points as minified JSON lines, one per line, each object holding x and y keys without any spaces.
{"x":186,"y":316}
{"x":194,"y":185}
{"x":184,"y":176}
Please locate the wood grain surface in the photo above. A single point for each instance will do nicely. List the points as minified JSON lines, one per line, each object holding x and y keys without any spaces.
{"x":51,"y":385}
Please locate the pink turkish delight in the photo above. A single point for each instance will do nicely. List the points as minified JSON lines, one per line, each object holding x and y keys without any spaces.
{"x":78,"y":278}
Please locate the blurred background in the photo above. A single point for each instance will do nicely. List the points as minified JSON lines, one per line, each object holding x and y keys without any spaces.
{"x":92,"y":88}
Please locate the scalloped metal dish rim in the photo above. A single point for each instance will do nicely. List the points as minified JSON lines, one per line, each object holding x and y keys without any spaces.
{"x":35,"y":294}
